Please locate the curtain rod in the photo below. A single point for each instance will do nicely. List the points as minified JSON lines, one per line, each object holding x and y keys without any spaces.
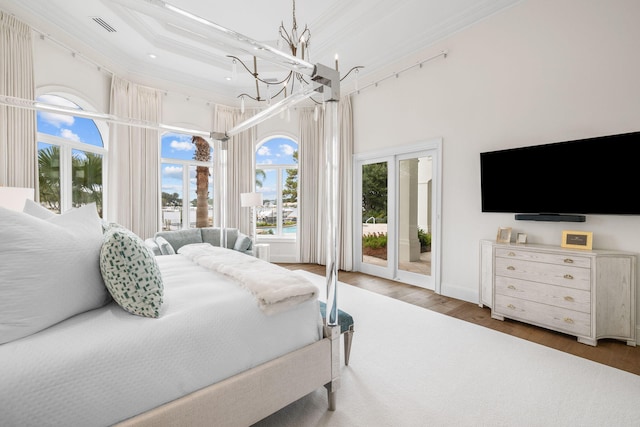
{"x":396,"y":74}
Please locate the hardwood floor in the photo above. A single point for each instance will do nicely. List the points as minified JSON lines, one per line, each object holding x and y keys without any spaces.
{"x":608,"y":352}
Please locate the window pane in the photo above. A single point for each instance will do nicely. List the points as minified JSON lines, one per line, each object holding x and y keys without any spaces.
{"x":179,"y":146}
{"x":77,"y":129}
{"x":86,"y":179}
{"x":267,"y":214}
{"x":201,"y":196}
{"x":290,"y":201}
{"x":49,"y":176}
{"x":171,"y":196}
{"x":277,"y":151}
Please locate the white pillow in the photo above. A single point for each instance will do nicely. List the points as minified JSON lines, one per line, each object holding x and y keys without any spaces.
{"x":131,"y":273}
{"x":36,"y":209}
{"x":49,"y":269}
{"x":165,"y":246}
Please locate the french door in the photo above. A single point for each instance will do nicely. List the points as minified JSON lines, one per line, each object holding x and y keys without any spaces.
{"x":397,"y":220}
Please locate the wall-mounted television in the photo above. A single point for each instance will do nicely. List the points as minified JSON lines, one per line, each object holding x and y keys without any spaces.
{"x":563,"y":181}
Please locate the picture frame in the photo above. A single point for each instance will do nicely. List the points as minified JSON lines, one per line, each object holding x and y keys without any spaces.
{"x":521,"y":238}
{"x":504,"y":235}
{"x":577,"y":239}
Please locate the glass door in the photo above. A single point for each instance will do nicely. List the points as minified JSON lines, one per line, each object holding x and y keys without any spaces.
{"x":375,"y":217}
{"x":396,"y":217}
{"x":414,"y":215}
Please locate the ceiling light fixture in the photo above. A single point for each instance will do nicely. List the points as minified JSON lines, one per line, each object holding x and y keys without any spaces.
{"x":296,"y":43}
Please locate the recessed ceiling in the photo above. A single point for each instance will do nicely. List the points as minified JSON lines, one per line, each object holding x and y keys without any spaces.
{"x":123,"y":35}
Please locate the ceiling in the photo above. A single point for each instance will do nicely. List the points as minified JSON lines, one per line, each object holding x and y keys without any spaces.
{"x":371,"y":33}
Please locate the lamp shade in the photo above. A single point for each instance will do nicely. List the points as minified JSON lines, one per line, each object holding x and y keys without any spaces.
{"x":248,"y":200}
{"x":14,"y":197}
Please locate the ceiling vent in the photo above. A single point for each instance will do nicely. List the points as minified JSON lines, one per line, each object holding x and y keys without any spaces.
{"x":104,"y":24}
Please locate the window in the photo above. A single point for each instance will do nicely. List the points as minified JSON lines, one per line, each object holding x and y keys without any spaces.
{"x":277,"y":180}
{"x":71,"y":154}
{"x":182,"y":175}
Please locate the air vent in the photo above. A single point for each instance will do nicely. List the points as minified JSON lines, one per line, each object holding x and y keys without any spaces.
{"x":104,"y":24}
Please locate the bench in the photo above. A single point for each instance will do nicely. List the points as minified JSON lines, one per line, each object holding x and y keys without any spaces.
{"x":345,"y":321}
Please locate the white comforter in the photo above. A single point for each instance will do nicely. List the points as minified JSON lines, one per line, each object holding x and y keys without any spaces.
{"x":106,"y":365}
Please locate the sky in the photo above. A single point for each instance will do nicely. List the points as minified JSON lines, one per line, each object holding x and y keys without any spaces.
{"x":74,"y":128}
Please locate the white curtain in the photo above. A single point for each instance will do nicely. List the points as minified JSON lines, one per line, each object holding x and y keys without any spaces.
{"x":134,"y":159}
{"x":240,"y":165}
{"x":18,"y":148}
{"x":312,"y":218}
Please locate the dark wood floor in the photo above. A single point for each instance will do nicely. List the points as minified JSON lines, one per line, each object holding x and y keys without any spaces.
{"x":608,"y":352}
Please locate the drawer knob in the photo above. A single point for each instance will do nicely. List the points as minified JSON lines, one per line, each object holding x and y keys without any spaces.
{"x":511,"y":254}
{"x":568,"y":276}
{"x":568,"y":320}
{"x":511,"y":306}
{"x":568,"y":298}
{"x":568,"y":261}
{"x":511,"y":267}
{"x":511,"y":287}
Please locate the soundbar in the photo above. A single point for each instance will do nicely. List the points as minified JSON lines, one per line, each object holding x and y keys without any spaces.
{"x":551,"y":217}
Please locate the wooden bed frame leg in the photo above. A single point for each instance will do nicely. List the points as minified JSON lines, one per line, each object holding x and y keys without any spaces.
{"x":333,"y":332}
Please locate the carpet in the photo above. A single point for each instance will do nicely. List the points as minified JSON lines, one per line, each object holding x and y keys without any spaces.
{"x":413,"y":367}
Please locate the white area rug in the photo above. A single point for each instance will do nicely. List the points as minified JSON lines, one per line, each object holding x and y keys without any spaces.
{"x":413,"y":367}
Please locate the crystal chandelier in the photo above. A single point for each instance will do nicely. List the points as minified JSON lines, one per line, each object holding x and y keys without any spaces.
{"x":298,"y":44}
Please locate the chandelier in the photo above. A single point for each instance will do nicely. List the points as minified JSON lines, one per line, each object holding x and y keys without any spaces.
{"x":297,"y":43}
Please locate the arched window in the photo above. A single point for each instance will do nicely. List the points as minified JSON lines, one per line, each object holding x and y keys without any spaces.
{"x":277,"y":180}
{"x":182,"y":174}
{"x":71,"y":154}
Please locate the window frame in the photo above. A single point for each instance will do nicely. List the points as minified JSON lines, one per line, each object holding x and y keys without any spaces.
{"x":280,"y":170}
{"x":186,"y":165}
{"x":66,"y":150}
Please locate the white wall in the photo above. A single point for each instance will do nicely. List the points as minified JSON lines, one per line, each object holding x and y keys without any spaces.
{"x":542,"y":71}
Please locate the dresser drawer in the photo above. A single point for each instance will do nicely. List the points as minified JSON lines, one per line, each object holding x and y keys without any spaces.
{"x":561,"y":275}
{"x":560,"y":296}
{"x":556,"y":318}
{"x":546,"y":257}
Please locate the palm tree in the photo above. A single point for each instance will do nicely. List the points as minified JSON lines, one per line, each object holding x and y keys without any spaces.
{"x":261,"y":175}
{"x":202,"y":154}
{"x":87,"y":179}
{"x":49,"y":177}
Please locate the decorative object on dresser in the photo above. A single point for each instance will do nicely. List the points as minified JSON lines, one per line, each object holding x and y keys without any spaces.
{"x":521,"y":238}
{"x":586,"y":293}
{"x":504,"y":235}
{"x":577,"y":239}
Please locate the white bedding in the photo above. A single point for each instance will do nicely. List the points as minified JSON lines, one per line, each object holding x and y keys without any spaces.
{"x":106,"y":365}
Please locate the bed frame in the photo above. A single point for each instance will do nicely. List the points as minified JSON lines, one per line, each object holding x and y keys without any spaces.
{"x":250,"y":396}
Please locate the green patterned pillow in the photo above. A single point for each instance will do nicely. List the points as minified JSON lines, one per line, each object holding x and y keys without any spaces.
{"x":131,"y":273}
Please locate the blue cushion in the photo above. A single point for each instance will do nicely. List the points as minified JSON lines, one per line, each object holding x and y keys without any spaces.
{"x":345,"y":320}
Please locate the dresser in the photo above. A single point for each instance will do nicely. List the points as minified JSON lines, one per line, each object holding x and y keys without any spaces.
{"x":586,"y":293}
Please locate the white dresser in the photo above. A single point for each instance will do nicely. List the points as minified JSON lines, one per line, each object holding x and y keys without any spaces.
{"x":589,"y":294}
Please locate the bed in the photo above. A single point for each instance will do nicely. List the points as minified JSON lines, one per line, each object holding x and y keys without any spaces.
{"x":209,"y":351}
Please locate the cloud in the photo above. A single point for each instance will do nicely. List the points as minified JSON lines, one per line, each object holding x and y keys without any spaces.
{"x":264,"y":151}
{"x":265,"y":162}
{"x":57,"y":120}
{"x":68,"y":134}
{"x":181,"y":145}
{"x":172,"y":172}
{"x":287,"y":150}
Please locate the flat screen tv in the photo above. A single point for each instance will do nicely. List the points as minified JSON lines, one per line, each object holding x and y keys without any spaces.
{"x":563,"y":181}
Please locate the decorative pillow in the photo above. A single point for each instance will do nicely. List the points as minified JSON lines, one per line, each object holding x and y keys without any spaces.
{"x":131,"y":273}
{"x":242,"y":243}
{"x":165,"y":247}
{"x":36,"y":209}
{"x":179,"y":238}
{"x":49,"y":269}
